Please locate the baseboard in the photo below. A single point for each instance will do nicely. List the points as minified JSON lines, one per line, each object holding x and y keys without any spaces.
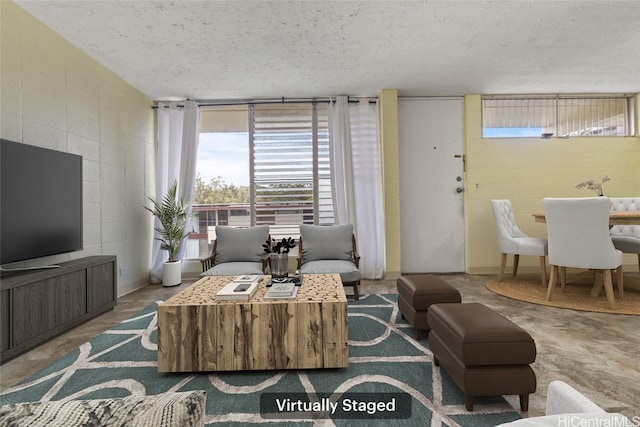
{"x":131,"y":287}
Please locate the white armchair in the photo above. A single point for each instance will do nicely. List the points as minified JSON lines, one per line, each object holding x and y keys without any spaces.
{"x":578,"y":233}
{"x":626,"y":238}
{"x":566,"y":406}
{"x":513,"y":241}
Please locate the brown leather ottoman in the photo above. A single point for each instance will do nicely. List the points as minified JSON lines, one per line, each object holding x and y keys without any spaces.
{"x":483,"y":352}
{"x":417,"y":292}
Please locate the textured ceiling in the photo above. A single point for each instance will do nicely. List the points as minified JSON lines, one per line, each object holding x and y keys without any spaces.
{"x":263,"y":49}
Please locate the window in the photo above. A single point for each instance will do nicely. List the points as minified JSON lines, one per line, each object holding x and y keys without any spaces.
{"x":558,"y":115}
{"x":291,"y":175}
{"x":261,"y":164}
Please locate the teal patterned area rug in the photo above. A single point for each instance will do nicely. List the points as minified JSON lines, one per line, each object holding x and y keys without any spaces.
{"x":384,"y":360}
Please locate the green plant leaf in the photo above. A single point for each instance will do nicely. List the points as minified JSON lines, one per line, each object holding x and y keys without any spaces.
{"x":172,"y":214}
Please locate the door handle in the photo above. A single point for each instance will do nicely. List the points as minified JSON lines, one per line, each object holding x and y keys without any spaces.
{"x":459,"y":190}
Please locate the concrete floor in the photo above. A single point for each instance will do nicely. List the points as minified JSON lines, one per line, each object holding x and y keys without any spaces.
{"x":599,"y":354}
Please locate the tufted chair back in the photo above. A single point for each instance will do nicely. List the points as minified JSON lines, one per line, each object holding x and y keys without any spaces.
{"x":626,"y":237}
{"x":506,"y":226}
{"x":512,"y":240}
{"x":625,"y":204}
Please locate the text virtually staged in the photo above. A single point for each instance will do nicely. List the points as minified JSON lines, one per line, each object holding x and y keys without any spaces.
{"x":338,"y":405}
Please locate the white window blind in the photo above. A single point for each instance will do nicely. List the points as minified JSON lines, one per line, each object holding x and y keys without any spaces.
{"x":290,"y":173}
{"x":556,"y":115}
{"x":593,"y":116}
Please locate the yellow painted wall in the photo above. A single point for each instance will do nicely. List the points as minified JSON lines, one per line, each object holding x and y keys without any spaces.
{"x":527,"y":170}
{"x":55,"y":96}
{"x":388,"y":101}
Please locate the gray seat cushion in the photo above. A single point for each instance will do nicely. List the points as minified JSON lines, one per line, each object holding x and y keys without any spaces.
{"x":240,"y":244}
{"x":326,"y":242}
{"x":347,"y":269}
{"x":234,"y":269}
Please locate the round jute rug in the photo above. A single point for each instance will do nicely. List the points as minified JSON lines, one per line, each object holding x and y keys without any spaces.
{"x":577,"y":294}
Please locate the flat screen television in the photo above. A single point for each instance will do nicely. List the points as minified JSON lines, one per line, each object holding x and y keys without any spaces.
{"x":40,"y":202}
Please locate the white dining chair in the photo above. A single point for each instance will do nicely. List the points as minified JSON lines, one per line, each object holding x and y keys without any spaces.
{"x":512,"y":241}
{"x":626,"y":238}
{"x":578,"y":234}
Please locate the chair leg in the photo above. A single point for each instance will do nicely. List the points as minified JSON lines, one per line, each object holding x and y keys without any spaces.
{"x":543,"y":270}
{"x":619,"y":281}
{"x":598,"y":283}
{"x":608,"y":288}
{"x":552,"y":281}
{"x":516,"y":260}
{"x":563,"y":277}
{"x":356,"y":292}
{"x":638,"y":263}
{"x":503,"y":266}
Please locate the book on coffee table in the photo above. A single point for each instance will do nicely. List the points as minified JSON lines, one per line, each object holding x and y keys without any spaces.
{"x":296,"y":279}
{"x":282,"y":291}
{"x":237,"y":290}
{"x":248,"y":278}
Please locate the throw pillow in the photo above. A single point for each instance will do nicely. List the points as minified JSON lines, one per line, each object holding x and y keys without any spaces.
{"x":162,"y":410}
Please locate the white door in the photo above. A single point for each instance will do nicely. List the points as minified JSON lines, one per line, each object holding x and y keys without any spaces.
{"x":431,"y":152}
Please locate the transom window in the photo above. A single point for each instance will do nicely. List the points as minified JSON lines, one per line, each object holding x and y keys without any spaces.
{"x":556,"y":116}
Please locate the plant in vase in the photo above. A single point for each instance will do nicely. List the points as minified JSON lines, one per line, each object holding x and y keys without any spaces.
{"x":594,"y":186}
{"x":279,"y":255}
{"x":171,"y":213}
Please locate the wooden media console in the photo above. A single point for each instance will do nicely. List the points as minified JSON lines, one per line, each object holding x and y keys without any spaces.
{"x":35,"y":306}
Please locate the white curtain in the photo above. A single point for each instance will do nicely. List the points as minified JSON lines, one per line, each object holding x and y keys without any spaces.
{"x":357,"y":178}
{"x":176,"y":153}
{"x":188,"y":159}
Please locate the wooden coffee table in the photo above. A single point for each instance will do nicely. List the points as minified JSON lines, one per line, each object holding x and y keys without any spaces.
{"x":196,"y":332}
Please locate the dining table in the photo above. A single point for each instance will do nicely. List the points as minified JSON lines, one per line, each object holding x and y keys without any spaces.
{"x":615,"y":218}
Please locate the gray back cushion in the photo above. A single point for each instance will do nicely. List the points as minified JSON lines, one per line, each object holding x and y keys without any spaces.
{"x":326,"y":242}
{"x":240,"y":244}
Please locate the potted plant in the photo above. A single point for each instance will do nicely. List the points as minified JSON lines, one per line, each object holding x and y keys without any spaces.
{"x":279,"y":255}
{"x":595,"y":186}
{"x":172,"y":215}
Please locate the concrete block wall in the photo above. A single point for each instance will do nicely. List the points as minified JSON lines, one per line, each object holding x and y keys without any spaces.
{"x":55,"y":96}
{"x":525,"y":170}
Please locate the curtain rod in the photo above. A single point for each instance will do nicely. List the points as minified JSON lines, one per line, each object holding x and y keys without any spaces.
{"x":282,"y":100}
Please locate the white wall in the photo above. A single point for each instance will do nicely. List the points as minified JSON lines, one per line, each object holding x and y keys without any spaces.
{"x":55,"y":96}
